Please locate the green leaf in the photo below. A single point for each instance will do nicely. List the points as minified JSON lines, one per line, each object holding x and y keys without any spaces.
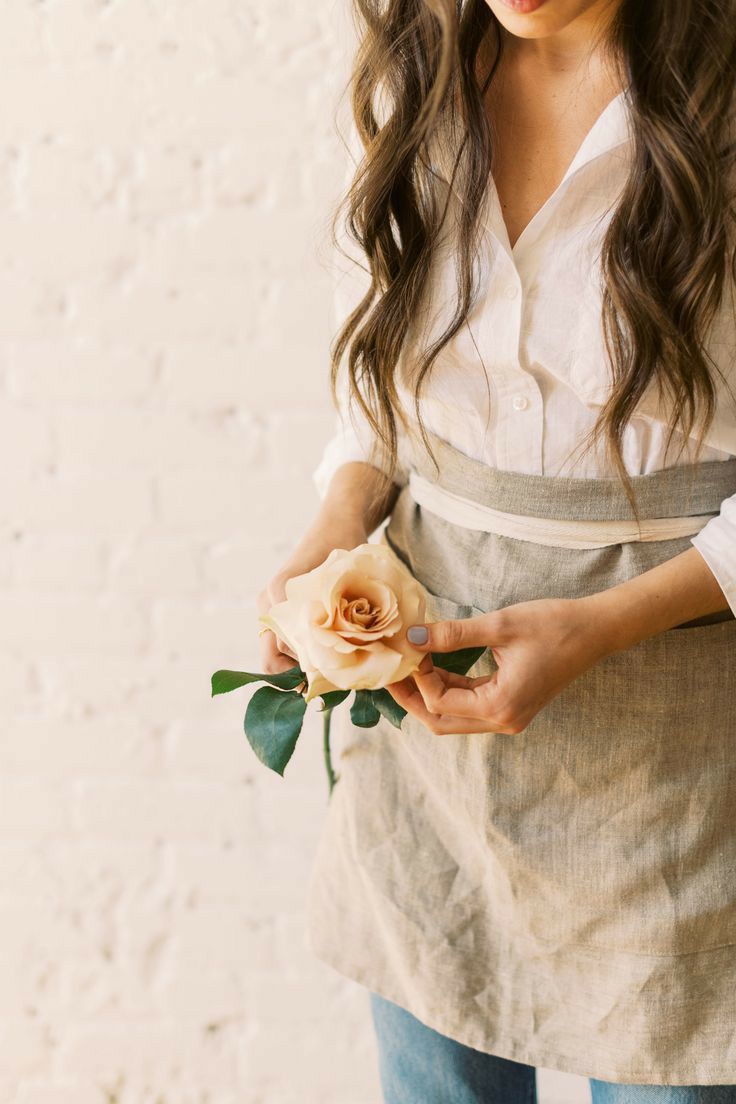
{"x":224,"y":681}
{"x":460,"y":662}
{"x":388,"y":707}
{"x":363,"y":712}
{"x":273,"y":721}
{"x":334,"y":697}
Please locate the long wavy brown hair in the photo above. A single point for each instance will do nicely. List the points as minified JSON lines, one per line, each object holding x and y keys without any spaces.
{"x":421,"y":75}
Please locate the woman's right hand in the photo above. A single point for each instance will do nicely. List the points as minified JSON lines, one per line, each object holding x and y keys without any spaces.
{"x":312,"y":550}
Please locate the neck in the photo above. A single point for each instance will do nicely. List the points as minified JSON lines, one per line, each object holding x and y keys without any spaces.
{"x":575,"y":50}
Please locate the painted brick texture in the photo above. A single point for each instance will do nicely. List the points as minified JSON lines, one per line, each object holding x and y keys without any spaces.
{"x":167,"y":169}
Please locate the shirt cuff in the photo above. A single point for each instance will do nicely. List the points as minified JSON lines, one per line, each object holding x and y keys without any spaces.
{"x":716,"y":542}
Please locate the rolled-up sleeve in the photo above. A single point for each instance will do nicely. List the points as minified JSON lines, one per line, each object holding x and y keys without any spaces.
{"x":353,"y":437}
{"x":716,"y":543}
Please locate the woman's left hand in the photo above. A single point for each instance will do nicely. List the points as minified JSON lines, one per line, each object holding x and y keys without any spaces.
{"x":539,"y":647}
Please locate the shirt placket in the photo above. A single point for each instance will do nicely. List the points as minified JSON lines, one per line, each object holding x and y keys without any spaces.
{"x":519,"y":411}
{"x":519,"y":420}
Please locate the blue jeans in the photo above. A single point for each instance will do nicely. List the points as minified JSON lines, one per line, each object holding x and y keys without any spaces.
{"x":418,"y":1065}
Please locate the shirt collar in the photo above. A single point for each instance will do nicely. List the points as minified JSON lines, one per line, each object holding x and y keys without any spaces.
{"x":611,"y":129}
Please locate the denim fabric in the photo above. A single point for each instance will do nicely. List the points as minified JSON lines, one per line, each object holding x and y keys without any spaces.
{"x":418,"y":1065}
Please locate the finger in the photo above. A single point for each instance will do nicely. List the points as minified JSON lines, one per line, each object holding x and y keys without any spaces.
{"x":285,"y":649}
{"x":482,"y":630}
{"x":410,"y":699}
{"x":273,"y":659}
{"x":450,"y":678}
{"x":271,"y":640}
{"x":265,"y":600}
{"x":406,"y":693}
{"x":474,"y":699}
{"x":277,"y":666}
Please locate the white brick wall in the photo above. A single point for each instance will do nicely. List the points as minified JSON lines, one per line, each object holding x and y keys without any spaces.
{"x":166,"y":174}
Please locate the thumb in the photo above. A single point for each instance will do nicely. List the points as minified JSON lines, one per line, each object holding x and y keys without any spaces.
{"x":452,"y":635}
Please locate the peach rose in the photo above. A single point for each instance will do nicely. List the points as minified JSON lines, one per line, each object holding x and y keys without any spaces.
{"x":346,"y":619}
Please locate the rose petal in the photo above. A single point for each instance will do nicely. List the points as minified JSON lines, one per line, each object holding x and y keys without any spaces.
{"x":345,"y":619}
{"x":317,"y":685}
{"x":283,"y":619}
{"x":373,"y":668}
{"x":381,"y":600}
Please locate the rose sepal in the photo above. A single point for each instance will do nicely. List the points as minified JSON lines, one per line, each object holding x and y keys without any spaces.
{"x":332,"y":698}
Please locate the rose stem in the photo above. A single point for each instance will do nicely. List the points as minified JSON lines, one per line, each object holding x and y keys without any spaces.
{"x":331,"y":776}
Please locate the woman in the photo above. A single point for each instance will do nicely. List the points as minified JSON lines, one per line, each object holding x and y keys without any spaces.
{"x":539,"y":868}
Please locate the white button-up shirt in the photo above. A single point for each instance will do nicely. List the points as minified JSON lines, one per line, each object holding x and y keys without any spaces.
{"x":521,"y":385}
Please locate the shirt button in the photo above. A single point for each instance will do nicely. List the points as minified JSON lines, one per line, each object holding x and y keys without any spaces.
{"x":520,"y":402}
{"x":512,"y":291}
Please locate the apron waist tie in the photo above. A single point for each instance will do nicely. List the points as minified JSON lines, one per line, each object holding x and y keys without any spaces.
{"x":553,"y":531}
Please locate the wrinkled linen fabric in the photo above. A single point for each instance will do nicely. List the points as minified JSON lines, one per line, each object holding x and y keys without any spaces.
{"x":564,"y":897}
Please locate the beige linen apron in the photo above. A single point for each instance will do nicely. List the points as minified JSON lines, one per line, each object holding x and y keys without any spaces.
{"x":564,"y":897}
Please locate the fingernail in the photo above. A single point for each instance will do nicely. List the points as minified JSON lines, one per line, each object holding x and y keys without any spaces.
{"x":418,"y":634}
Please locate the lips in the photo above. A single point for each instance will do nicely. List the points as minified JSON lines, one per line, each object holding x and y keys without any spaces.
{"x":523,"y":5}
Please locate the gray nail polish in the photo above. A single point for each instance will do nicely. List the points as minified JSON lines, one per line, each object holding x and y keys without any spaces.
{"x":418,"y":634}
